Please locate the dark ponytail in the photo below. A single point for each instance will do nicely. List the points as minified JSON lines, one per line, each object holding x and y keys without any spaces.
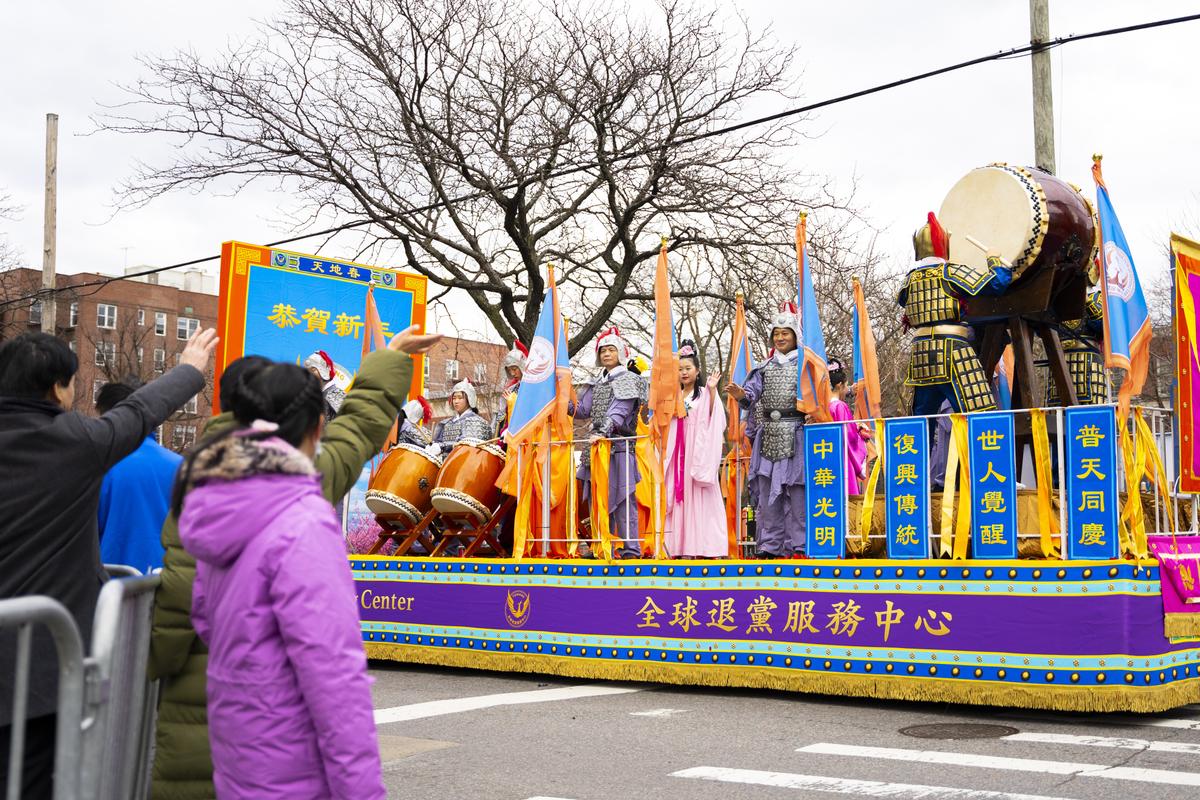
{"x":256,"y":388}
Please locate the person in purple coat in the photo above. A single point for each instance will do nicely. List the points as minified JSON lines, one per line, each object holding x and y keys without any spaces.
{"x":777,"y":458}
{"x":611,"y":402}
{"x":289,"y":702}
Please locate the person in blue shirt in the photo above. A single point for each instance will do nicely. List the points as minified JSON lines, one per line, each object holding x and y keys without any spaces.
{"x":135,"y":496}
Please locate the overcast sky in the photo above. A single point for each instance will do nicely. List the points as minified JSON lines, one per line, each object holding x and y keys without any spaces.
{"x":1130,"y":97}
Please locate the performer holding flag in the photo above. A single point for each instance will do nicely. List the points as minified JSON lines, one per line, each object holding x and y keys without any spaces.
{"x":539,"y":415}
{"x":1126,"y":317}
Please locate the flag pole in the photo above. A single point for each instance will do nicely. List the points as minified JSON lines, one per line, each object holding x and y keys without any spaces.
{"x":546,"y":496}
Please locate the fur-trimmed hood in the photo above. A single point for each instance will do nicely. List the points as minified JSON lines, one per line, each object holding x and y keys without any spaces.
{"x":237,"y":488}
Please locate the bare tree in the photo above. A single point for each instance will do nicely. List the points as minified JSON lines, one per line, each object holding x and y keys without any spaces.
{"x":481,"y":140}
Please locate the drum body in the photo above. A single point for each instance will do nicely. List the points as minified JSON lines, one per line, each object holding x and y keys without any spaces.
{"x":1034,"y":220}
{"x":399,"y":494}
{"x":467,"y":481}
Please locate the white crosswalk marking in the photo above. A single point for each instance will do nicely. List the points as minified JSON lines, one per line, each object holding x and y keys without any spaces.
{"x":435,"y":708}
{"x":1126,"y":720}
{"x":658,"y":712}
{"x":819,"y":783}
{"x":1003,"y":762}
{"x":1122,"y":743}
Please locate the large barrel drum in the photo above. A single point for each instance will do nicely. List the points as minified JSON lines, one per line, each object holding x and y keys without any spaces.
{"x":467,"y":481}
{"x":1034,"y":220}
{"x":399,"y":494}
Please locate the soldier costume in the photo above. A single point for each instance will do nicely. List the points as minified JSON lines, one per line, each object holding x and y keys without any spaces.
{"x":467,"y":425}
{"x":611,"y":401}
{"x":944,"y":364}
{"x":320,"y":364}
{"x":412,"y":424}
{"x":776,"y":472}
{"x":1083,"y":345}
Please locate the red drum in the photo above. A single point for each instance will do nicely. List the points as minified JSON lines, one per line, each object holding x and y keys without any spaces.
{"x":1034,"y":220}
{"x":399,"y":492}
{"x":467,"y":481}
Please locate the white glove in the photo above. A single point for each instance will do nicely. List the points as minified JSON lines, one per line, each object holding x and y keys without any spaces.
{"x":434,"y":450}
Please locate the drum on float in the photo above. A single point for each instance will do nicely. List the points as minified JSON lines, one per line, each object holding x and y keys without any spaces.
{"x":466,"y":483}
{"x":1032,"y":219}
{"x":399,"y":493}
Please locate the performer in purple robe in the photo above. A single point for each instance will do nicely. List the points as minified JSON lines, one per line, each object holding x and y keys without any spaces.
{"x":777,"y":457}
{"x":611,"y":402}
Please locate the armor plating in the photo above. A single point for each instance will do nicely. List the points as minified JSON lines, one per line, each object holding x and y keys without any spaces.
{"x":468,"y":426}
{"x":779,"y":411}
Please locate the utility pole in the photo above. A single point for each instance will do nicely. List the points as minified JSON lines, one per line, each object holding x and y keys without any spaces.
{"x":50,"y":227}
{"x":1043,"y":89}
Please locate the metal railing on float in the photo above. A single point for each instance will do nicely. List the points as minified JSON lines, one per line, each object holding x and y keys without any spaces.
{"x":1027,"y":483}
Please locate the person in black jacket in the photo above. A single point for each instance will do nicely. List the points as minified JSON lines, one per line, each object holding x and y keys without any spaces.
{"x":53,"y":461}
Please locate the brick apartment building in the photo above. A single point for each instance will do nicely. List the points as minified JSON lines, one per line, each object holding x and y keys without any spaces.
{"x":451,"y":360}
{"x":124,"y":329}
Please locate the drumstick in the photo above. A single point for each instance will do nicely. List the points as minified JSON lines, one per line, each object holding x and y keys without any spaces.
{"x":981,"y":246}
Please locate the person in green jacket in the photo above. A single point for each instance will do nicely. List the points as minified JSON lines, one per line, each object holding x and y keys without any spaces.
{"x":183,"y":760}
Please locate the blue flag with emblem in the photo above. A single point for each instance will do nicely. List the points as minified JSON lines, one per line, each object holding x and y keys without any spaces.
{"x":544,"y":366}
{"x":1126,"y":316}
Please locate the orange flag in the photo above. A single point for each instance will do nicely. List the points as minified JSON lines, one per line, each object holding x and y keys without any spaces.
{"x":666,"y":400}
{"x":866,"y":365}
{"x":373,"y":339}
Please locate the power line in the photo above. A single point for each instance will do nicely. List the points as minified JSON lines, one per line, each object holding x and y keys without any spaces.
{"x":1015,"y":52}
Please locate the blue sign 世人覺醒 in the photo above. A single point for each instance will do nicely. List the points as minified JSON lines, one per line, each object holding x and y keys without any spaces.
{"x":907,"y":491}
{"x":825,"y":482}
{"x":1091,"y":467}
{"x":993,"y":485}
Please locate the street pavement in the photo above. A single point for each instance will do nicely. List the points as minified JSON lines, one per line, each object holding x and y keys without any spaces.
{"x":448,"y":733}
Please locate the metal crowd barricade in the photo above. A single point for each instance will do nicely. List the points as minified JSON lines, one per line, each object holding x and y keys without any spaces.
{"x":118,"y":733}
{"x":23,"y":613}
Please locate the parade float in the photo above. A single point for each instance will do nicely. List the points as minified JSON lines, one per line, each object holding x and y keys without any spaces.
{"x":1055,"y":567}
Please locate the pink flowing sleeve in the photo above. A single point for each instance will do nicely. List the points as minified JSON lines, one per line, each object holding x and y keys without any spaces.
{"x":706,"y":438}
{"x":856,"y":448}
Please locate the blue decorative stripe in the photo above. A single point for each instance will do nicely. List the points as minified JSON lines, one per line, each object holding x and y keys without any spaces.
{"x":446,"y":636}
{"x":721,"y":654}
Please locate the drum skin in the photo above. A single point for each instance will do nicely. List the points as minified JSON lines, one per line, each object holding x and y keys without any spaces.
{"x":467,"y":480}
{"x":1033,"y":219}
{"x":399,"y":492}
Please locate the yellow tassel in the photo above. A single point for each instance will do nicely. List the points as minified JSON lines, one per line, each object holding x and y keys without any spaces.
{"x":1178,"y":626}
{"x":1139,"y":699}
{"x":868,"y":501}
{"x":962,"y":533}
{"x":1047,"y":521}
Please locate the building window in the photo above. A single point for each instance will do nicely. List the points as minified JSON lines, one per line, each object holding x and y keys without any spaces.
{"x":160,"y":323}
{"x":160,"y":359}
{"x":106,"y":316}
{"x":35,"y":312}
{"x":425,"y":368}
{"x":97,"y":385}
{"x":141,"y":317}
{"x":74,"y":314}
{"x":183,"y":436}
{"x":106,"y":354}
{"x":191,"y":406}
{"x":481,"y":373}
{"x":452,"y":369}
{"x":141,"y":352}
{"x":186,"y":327}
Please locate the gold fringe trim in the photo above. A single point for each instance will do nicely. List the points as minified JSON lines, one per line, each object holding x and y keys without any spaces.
{"x":1178,"y":626}
{"x":1144,"y":699}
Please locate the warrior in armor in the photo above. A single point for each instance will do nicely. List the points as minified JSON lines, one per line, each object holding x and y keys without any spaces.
{"x":321,"y":365}
{"x":412,"y":423}
{"x":514,"y":370}
{"x":776,"y":471}
{"x":1083,"y":345}
{"x":944,"y":364}
{"x":465,"y":424}
{"x":611,"y":401}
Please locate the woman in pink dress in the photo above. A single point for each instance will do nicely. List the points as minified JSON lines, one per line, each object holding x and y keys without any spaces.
{"x":695,"y":511}
{"x":856,"y":434}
